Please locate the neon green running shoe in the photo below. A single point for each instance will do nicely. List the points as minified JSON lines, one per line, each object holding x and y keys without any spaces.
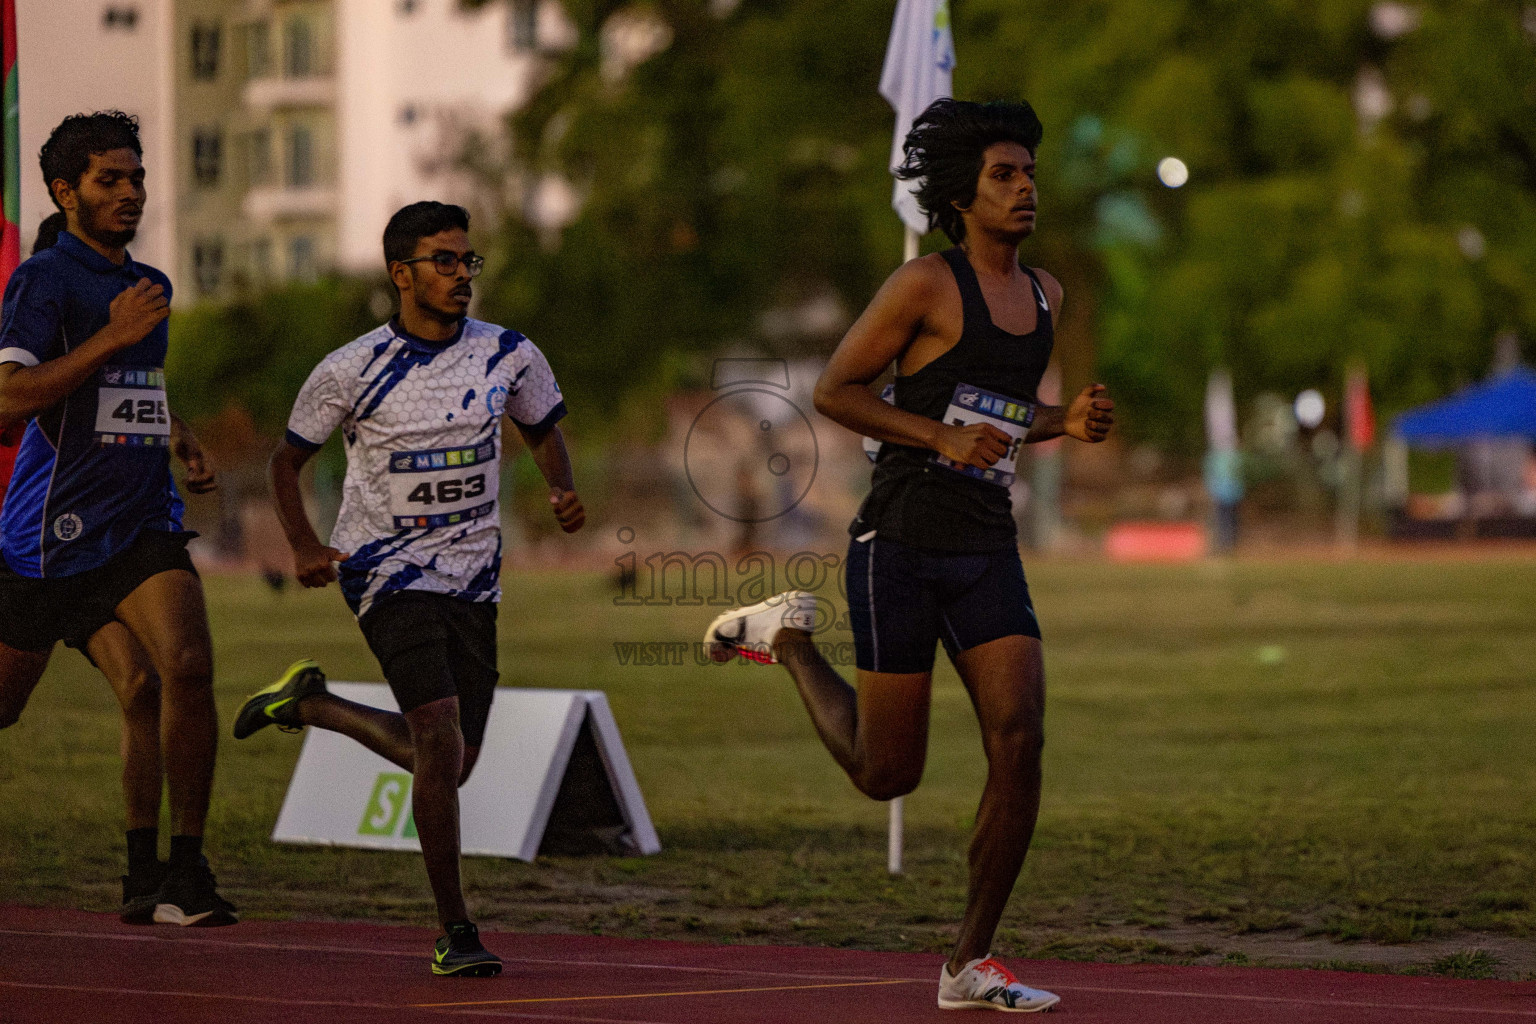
{"x":459,"y":954}
{"x":278,"y":704}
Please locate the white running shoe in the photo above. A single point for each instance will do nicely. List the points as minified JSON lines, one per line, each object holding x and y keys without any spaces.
{"x":749,"y":632}
{"x":985,"y":984}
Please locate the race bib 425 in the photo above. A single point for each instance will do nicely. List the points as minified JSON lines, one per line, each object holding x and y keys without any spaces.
{"x":131,"y":409}
{"x":443,"y":486}
{"x":972,"y":405}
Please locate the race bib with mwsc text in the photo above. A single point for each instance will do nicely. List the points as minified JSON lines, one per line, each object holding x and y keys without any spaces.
{"x":443,"y":486}
{"x":972,"y":405}
{"x":131,"y":409}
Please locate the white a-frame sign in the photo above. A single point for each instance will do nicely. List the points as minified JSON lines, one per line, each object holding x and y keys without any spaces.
{"x":553,"y":777}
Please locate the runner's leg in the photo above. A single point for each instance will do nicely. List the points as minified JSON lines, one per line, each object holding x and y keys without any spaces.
{"x":1006,"y":681}
{"x":439,"y":750}
{"x":128,"y":669}
{"x":19,"y":673}
{"x":877,"y":733}
{"x":386,"y":733}
{"x":167,"y":615}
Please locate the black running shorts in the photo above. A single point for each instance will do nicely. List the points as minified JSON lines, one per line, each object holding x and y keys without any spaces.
{"x":902,"y":600}
{"x":432,"y":646}
{"x":37,"y":613}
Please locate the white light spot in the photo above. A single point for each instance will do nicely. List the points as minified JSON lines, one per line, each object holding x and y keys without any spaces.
{"x":1391,"y":20}
{"x":1471,"y":242}
{"x":1172,"y":171}
{"x":1310,"y":408}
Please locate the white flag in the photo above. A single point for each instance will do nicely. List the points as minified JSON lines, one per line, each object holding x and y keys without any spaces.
{"x":919,"y":63}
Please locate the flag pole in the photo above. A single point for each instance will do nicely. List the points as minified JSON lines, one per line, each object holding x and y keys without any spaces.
{"x":919,"y":60}
{"x":896,"y":832}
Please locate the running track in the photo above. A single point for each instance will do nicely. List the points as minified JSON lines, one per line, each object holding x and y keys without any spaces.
{"x":69,"y":966}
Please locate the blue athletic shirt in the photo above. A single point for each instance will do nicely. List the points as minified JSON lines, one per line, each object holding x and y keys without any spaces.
{"x":95,"y":469}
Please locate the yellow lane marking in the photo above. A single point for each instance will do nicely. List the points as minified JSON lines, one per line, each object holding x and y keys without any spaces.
{"x":659,"y":995}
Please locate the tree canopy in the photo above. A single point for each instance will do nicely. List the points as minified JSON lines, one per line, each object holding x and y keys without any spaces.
{"x":1361,"y":186}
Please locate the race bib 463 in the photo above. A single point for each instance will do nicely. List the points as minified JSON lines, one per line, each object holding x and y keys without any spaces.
{"x":443,"y":486}
{"x":973,"y":405}
{"x":131,"y":409}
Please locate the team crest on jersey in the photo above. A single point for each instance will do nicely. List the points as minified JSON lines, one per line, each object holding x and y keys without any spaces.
{"x":496,"y":400}
{"x":68,"y":526}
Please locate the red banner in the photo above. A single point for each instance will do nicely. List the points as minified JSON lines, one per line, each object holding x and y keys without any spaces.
{"x":10,"y":208}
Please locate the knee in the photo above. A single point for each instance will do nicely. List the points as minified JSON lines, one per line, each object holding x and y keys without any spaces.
{"x":139,"y":693}
{"x":190,"y":670}
{"x":1019,"y":747}
{"x":435,"y":728}
{"x":888,"y":783}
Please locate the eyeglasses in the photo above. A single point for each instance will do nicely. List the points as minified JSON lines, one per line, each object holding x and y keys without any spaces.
{"x":447,"y":263}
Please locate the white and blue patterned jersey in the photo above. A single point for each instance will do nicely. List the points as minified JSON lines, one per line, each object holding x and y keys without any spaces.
{"x":422,"y":425}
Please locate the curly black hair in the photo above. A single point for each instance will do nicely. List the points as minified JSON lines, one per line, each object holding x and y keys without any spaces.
{"x":410,"y":224}
{"x":67,"y":153}
{"x":946,"y":147}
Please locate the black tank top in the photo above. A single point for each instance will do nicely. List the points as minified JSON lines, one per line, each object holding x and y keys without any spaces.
{"x":914,"y":498}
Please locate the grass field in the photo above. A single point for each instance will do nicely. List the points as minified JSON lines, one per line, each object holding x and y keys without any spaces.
{"x":1250,"y":762}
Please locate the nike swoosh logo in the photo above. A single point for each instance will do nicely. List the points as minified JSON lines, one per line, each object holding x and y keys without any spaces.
{"x":275,"y":705}
{"x":439,"y":954}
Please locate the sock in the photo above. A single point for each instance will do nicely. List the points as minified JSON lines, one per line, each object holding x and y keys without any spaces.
{"x":143,"y":850}
{"x":186,"y":851}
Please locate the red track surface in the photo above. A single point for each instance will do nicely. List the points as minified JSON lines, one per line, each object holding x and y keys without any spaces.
{"x":62,"y":966}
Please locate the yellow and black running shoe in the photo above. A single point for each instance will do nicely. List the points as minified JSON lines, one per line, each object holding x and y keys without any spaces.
{"x":278,"y":704}
{"x":459,"y":954}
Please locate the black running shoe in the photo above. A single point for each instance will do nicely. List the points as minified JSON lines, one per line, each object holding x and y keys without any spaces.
{"x":190,"y":898}
{"x":460,"y":954}
{"x":278,"y":704}
{"x":141,"y":894}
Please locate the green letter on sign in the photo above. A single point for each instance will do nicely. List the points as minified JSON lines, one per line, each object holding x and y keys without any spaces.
{"x":389,"y":797}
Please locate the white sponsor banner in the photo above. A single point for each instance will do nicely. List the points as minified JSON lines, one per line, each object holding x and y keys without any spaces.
{"x":343,"y":794}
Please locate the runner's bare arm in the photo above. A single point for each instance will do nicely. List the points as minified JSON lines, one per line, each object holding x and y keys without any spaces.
{"x":200,"y":477}
{"x":312,"y":561}
{"x":1091,"y":413}
{"x":26,"y":391}
{"x":1088,"y":418}
{"x":887,"y":326}
{"x":554,"y":462}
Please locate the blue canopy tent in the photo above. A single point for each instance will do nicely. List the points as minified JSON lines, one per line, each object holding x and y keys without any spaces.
{"x":1501,"y":406}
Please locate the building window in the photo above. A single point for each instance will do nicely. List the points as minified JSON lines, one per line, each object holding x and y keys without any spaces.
{"x":298,"y":49}
{"x":301,"y":259}
{"x":258,"y":157}
{"x":208,"y":265}
{"x":261,"y":260}
{"x":205,"y":52}
{"x":120,"y":16}
{"x":523,"y":25}
{"x":301,"y":157}
{"x":258,"y":50}
{"x":207,"y":156}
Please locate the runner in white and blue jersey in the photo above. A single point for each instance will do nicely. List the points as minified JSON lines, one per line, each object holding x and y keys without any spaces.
{"x":91,"y":529}
{"x":417,"y":545}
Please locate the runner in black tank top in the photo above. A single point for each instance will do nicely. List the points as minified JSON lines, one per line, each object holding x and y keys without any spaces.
{"x":916,"y":500}
{"x":932,"y":556}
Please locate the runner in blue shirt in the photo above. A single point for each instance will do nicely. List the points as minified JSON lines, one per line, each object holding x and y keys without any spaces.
{"x":91,"y":528}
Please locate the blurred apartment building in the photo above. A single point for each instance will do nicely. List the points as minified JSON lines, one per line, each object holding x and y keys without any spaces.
{"x":281,"y":134}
